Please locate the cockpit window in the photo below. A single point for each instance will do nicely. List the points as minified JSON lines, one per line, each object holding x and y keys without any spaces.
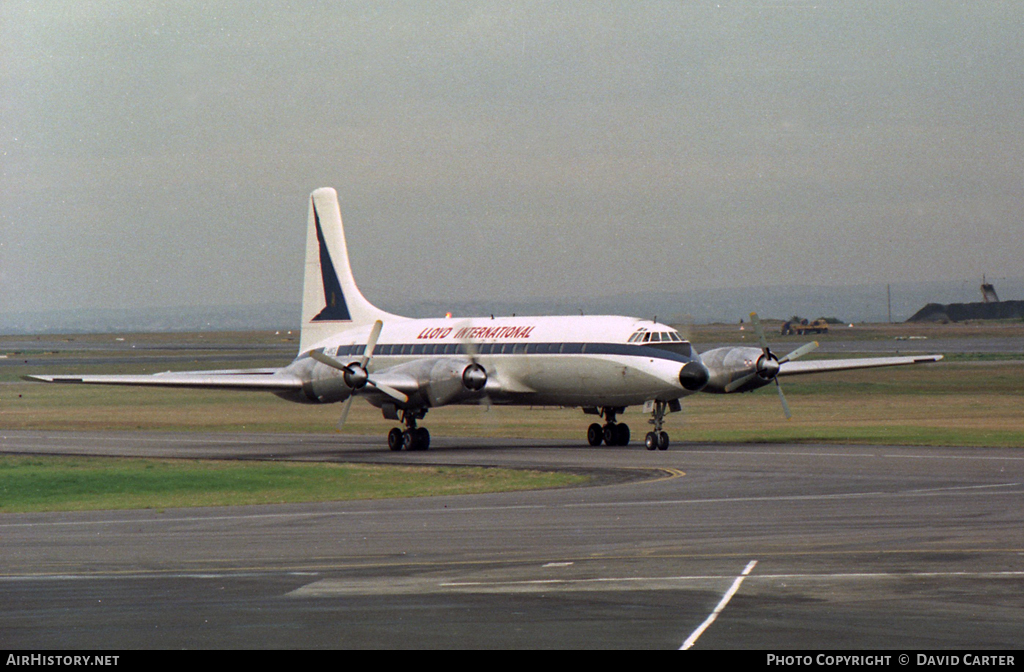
{"x":644,"y":336}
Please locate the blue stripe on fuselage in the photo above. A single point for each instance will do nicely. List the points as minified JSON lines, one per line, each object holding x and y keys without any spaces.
{"x":491,"y":349}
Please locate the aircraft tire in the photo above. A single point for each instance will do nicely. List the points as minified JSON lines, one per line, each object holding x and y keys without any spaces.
{"x":651,"y":441}
{"x":622,"y":434}
{"x":395,"y":439}
{"x":595,"y":434}
{"x":421,"y":438}
{"x":662,"y":440}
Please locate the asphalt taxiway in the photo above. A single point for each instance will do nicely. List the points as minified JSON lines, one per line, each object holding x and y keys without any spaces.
{"x":822,"y":547}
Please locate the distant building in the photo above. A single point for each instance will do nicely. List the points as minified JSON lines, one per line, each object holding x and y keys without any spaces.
{"x":988,"y":292}
{"x":959,"y":312}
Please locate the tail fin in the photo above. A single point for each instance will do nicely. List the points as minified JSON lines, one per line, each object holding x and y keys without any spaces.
{"x":331,"y":302}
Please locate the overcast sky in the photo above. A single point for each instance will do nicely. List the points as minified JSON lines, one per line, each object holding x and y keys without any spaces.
{"x":161,"y":154}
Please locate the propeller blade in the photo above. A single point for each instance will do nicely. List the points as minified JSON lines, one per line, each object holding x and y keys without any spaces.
{"x":740,"y":382}
{"x":319,"y":356}
{"x":799,"y":352}
{"x":782,"y":398}
{"x":371,"y":343}
{"x":685,"y":327}
{"x":344,"y":412}
{"x":760,"y":333}
{"x":471,"y":351}
{"x":388,"y":390}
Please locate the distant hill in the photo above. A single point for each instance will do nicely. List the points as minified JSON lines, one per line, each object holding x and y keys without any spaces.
{"x":856,"y":303}
{"x":184,"y":318}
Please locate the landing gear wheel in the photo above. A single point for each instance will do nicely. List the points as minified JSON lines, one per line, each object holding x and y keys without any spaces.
{"x":595,"y":435}
{"x":395,"y":439}
{"x":651,"y":441}
{"x":613,"y":434}
{"x":662,"y":440}
{"x":423,"y":438}
{"x":416,"y":439}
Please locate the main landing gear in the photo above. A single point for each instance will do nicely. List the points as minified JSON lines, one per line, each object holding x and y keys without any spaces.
{"x":612,"y":433}
{"x":413,"y":438}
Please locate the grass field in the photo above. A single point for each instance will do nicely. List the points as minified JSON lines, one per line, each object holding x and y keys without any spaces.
{"x":960,"y":404}
{"x":34,"y":483}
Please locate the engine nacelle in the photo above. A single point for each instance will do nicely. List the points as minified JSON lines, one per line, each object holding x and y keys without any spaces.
{"x":730,"y":364}
{"x":328,"y":389}
{"x":694,"y":376}
{"x":323,"y":384}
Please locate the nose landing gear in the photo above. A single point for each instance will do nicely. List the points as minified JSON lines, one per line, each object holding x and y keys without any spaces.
{"x":658,"y":439}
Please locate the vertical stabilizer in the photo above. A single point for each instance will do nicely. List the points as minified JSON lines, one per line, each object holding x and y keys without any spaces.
{"x":331,"y":302}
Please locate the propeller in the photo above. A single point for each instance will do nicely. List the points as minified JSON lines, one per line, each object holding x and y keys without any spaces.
{"x":768,"y":365}
{"x":475,"y":376}
{"x":356,"y":375}
{"x":684,"y":325}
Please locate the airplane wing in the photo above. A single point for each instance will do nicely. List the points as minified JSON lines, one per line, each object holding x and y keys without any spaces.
{"x":793,"y":368}
{"x":271,"y":380}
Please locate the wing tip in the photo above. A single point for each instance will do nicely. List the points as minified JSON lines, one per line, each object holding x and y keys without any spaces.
{"x":51,"y":379}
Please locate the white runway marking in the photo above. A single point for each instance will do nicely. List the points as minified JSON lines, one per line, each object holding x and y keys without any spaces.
{"x":334,"y":587}
{"x":692,"y":639}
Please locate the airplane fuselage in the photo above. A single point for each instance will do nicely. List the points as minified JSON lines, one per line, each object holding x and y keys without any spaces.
{"x":561,"y":361}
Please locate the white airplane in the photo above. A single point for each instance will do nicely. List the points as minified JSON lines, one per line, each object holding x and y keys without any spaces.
{"x":603,"y":364}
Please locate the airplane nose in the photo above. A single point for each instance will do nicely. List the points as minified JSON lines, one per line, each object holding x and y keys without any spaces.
{"x":694,"y":376}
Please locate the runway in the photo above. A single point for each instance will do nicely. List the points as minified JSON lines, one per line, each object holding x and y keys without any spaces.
{"x":845,"y":547}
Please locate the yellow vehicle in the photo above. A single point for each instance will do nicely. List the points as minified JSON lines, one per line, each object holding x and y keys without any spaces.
{"x":801,"y":327}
